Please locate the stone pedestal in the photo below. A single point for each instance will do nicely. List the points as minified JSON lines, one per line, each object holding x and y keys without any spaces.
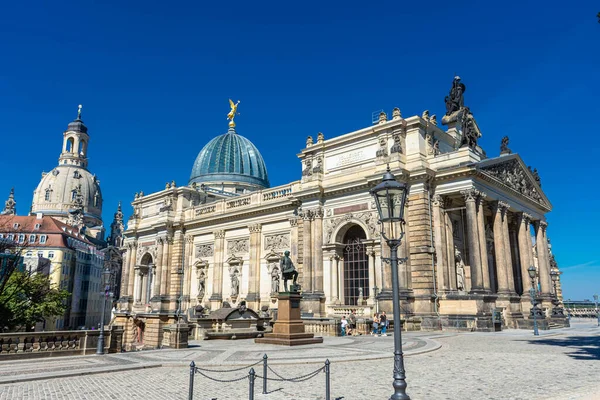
{"x":175,"y":336}
{"x":289,"y":327}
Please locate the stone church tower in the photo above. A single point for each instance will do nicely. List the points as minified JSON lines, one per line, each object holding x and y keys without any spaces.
{"x":70,"y":192}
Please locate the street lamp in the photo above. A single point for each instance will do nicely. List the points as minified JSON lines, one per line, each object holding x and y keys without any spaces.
{"x":390,"y":197}
{"x":106,"y":281}
{"x":597,"y":315}
{"x":532,"y":292}
{"x":556,"y":311}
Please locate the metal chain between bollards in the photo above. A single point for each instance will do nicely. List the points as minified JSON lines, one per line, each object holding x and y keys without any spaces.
{"x":222,"y":380}
{"x":229,"y":370}
{"x":296,"y":379}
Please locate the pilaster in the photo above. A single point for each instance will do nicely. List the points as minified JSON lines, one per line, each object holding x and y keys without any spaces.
{"x":216,"y":297}
{"x":485,"y":270}
{"x":470,"y":197}
{"x":439,"y":235}
{"x":253,"y":297}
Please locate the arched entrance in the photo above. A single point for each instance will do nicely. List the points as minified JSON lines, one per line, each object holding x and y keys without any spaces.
{"x":356,"y":266}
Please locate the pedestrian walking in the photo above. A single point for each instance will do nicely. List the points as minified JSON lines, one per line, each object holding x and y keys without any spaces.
{"x":383,"y":323}
{"x":344,"y":325}
{"x":352,"y":323}
{"x":375,"y":324}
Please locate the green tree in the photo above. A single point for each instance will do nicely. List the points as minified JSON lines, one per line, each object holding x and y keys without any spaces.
{"x":28,"y":299}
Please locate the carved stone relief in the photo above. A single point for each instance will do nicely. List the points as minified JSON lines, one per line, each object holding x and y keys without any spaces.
{"x":204,"y":250}
{"x":237,"y":246}
{"x":512,"y":175}
{"x":367,"y":217}
{"x":277,"y":242}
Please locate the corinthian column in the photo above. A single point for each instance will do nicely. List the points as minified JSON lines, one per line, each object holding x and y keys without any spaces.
{"x":473,"y":239}
{"x":307,"y":270}
{"x":132,"y":268}
{"x":335,"y":259}
{"x":254,"y":267}
{"x":485,"y":270}
{"x":219,"y":256}
{"x":524,"y":220}
{"x":318,"y":250}
{"x":509,"y":267}
{"x":499,"y":248}
{"x":165,"y":262}
{"x":439,"y":234}
{"x":126,"y":271}
{"x":543,"y":263}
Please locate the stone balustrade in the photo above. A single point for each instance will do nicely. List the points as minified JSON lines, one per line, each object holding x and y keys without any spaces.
{"x":45,"y":344}
{"x":280,"y":193}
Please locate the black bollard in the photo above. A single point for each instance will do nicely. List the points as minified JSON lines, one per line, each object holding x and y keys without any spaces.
{"x":192,"y":373}
{"x":251,"y":377}
{"x":327,"y":385}
{"x":265,"y":374}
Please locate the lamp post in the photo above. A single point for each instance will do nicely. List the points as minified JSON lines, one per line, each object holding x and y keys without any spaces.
{"x":532,"y":292}
{"x":557,"y":310}
{"x":106,"y":281}
{"x":390,"y":197}
{"x":597,"y":315}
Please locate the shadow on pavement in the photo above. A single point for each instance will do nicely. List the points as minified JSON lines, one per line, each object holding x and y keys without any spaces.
{"x":584,"y":347}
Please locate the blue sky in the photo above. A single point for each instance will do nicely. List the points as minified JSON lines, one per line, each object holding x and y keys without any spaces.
{"x":154,"y":79}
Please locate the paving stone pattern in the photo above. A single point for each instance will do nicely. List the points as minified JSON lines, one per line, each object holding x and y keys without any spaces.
{"x":508,"y":365}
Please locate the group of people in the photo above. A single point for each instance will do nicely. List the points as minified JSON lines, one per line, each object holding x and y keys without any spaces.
{"x":380,"y":324}
{"x":349,"y":325}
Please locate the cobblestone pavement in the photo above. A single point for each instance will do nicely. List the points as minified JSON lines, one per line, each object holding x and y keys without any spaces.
{"x":507,"y":365}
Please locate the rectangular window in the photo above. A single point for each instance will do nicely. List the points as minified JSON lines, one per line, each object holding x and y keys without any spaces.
{"x":1,"y":236}
{"x":21,"y":238}
{"x":40,"y":254}
{"x":11,"y":237}
{"x":16,"y":225}
{"x":43,"y":239}
{"x":29,"y":253}
{"x":51,"y":254}
{"x":31,"y":238}
{"x":37,"y":226}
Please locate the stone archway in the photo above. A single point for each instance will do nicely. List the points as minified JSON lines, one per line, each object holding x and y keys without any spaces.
{"x":143,"y":276}
{"x":355,"y":273}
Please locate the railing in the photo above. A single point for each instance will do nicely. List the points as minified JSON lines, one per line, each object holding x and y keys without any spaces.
{"x":251,"y":199}
{"x":206,"y":210}
{"x":245,"y":201}
{"x":277,"y":194}
{"x":58,"y":342}
{"x":252,"y":375}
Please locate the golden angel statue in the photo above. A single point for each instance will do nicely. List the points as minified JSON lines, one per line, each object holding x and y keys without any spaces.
{"x":233,"y":112}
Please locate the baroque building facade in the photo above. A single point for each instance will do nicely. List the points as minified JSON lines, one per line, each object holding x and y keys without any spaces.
{"x":65,"y":228}
{"x":474,"y":224}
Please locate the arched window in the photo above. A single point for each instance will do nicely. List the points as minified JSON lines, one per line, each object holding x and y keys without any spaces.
{"x":356,"y":266}
{"x":82,"y":147}
{"x":70,"y":144}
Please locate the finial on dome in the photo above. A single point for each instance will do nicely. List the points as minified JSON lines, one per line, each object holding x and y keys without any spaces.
{"x":232,"y":113}
{"x":79,"y":111}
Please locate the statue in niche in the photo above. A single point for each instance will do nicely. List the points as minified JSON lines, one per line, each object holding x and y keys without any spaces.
{"x":274,"y":278}
{"x":201,"y":285}
{"x":460,"y":270}
{"x":454,"y":100}
{"x":235,"y":281}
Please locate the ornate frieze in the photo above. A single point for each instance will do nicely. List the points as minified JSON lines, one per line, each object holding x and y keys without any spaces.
{"x":277,"y":242}
{"x":511,"y":174}
{"x":369,"y":218}
{"x":204,"y":250}
{"x":237,"y":246}
{"x":219,"y":234}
